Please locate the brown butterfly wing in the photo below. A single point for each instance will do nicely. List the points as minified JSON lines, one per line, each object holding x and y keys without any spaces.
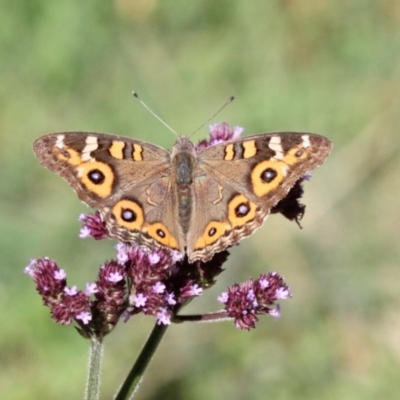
{"x":128,"y":181}
{"x":237,"y":183}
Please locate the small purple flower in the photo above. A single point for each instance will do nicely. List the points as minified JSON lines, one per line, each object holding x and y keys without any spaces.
{"x":84,"y":232}
{"x":139,"y":300}
{"x":250,"y":295}
{"x":112,"y":272}
{"x":71,"y":291}
{"x":282,"y":293}
{"x":60,"y":275}
{"x":176,"y":256}
{"x":115,"y":277}
{"x":29,"y":269}
{"x":91,"y":288}
{"x":158,"y":287}
{"x":171,"y":299}
{"x":122,"y":253}
{"x":163,"y":317}
{"x":93,"y":226}
{"x":154,"y":258}
{"x":188,"y":290}
{"x":220,"y":133}
{"x":195,"y":290}
{"x":84,"y":316}
{"x":223,"y":297}
{"x":263,"y":283}
{"x":223,"y":132}
{"x":275,"y":312}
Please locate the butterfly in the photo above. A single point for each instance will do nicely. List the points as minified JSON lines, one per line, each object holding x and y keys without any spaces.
{"x":198,"y":201}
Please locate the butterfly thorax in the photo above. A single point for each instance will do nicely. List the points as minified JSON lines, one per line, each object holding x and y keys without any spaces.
{"x":183,"y":163}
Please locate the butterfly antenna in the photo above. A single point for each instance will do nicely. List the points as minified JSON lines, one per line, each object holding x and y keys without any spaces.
{"x":152,"y":112}
{"x":213,"y":116}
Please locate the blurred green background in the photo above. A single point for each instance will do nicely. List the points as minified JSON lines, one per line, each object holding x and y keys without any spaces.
{"x":330,"y":67}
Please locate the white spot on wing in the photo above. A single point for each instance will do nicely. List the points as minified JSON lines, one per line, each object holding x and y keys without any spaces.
{"x":91,"y":145}
{"x":79,"y":172}
{"x":275,"y":145}
{"x":306,"y":141}
{"x":284,"y":169}
{"x":60,"y":141}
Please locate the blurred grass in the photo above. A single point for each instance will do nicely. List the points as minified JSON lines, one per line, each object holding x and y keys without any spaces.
{"x":328,"y":67}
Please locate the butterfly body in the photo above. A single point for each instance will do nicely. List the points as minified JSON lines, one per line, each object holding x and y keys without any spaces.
{"x":195,"y":201}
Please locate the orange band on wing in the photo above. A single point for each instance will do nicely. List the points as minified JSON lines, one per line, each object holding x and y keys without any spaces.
{"x":98,"y":177}
{"x":212,"y":233}
{"x":241,"y":211}
{"x":128,"y":214}
{"x":161,"y":234}
{"x":267,"y":176}
{"x":117,"y":149}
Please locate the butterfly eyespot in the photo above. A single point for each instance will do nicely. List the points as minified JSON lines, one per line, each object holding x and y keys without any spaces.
{"x":268,"y":175}
{"x":212,"y":232}
{"x":294,"y":155}
{"x":299,"y":153}
{"x":161,"y":233}
{"x":96,"y":176}
{"x":242,"y":210}
{"x":128,"y":215}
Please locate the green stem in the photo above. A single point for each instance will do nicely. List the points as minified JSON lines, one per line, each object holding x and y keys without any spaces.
{"x":93,"y":379}
{"x":135,"y":375}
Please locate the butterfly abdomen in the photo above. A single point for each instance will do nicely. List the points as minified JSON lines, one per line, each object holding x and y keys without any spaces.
{"x":183,"y":164}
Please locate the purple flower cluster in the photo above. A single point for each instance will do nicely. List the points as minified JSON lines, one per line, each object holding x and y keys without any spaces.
{"x":243,"y":302}
{"x":220,"y":133}
{"x":149,"y":274}
{"x":66,"y":304}
{"x":157,"y":283}
{"x":96,"y":310}
{"x":93,"y":226}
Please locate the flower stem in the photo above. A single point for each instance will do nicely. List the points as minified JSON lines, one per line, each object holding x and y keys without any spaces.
{"x":93,"y":379}
{"x":135,"y":375}
{"x":217,"y":316}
